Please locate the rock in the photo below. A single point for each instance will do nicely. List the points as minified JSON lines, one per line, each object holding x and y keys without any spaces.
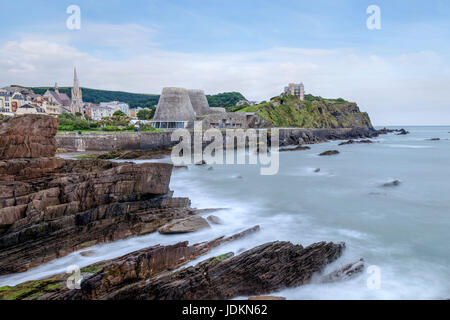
{"x":143,"y":275}
{"x":190,"y":224}
{"x":266,"y":298}
{"x":399,"y":131}
{"x":135,"y":154}
{"x":239,"y":177}
{"x":180,"y":168}
{"x":356,"y":141}
{"x":88,"y":253}
{"x":435,"y":139}
{"x":259,"y":271}
{"x":214,"y":219}
{"x":394,"y":183}
{"x":402,"y":132}
{"x":51,"y":207}
{"x":28,"y":136}
{"x":201,"y":163}
{"x":329,"y":153}
{"x":317,"y":170}
{"x":298,"y":148}
{"x":105,"y":278}
{"x":345,"y":273}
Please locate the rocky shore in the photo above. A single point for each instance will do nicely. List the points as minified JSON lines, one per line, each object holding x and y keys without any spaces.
{"x":151,"y":145}
{"x":50,"y":207}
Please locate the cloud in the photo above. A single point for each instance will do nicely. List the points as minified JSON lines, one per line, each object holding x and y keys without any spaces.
{"x":406,"y":89}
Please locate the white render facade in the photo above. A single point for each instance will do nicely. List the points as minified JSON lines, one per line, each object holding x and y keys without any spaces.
{"x":101,"y":111}
{"x":116,"y":106}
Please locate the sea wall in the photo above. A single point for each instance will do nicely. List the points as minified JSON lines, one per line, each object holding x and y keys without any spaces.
{"x":162,"y":140}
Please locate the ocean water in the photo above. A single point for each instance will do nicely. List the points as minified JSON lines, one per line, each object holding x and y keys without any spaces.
{"x":403,"y":231}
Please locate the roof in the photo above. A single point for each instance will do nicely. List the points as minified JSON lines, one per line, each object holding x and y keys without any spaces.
{"x":26,"y":106}
{"x":62,"y":98}
{"x":174,"y":105}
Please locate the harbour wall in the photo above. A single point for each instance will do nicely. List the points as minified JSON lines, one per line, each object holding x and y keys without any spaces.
{"x":162,"y":140}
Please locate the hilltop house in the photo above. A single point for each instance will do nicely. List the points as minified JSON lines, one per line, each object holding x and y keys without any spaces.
{"x":295,"y":90}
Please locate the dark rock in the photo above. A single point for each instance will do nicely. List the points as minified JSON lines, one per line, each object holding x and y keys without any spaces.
{"x":106,"y":278}
{"x":402,"y":132}
{"x":259,"y":271}
{"x":356,"y":141}
{"x":190,"y":224}
{"x":329,"y":153}
{"x":345,"y":273}
{"x":298,"y":148}
{"x":201,"y":163}
{"x":435,"y":139}
{"x":51,"y":207}
{"x":394,"y":183}
{"x":266,"y":298}
{"x":214,"y":220}
{"x":88,"y":253}
{"x":317,"y":170}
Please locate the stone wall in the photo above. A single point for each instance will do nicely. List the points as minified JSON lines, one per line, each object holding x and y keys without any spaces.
{"x":162,"y":140}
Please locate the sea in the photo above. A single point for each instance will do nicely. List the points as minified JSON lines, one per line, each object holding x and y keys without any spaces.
{"x":402,"y":232}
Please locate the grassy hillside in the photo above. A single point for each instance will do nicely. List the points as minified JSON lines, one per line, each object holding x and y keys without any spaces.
{"x":226,"y":100}
{"x":313,"y":112}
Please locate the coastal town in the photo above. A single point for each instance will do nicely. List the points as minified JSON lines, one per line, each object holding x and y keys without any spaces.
{"x":17,"y":100}
{"x":177,"y":107}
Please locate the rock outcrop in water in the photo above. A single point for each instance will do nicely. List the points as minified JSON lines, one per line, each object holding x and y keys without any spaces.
{"x":50,"y":207}
{"x":147,"y":274}
{"x":329,"y":153}
{"x":351,"y":141}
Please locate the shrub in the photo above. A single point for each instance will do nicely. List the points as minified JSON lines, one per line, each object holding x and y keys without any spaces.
{"x":119,"y":113}
{"x":66,"y":127}
{"x":110,"y":128}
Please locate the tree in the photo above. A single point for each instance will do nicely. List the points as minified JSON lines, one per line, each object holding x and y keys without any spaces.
{"x":119,"y":113}
{"x":146,"y":114}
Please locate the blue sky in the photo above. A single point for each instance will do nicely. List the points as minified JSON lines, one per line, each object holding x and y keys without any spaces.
{"x":254,"y":47}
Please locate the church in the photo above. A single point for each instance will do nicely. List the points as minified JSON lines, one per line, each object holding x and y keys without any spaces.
{"x":66,"y":104}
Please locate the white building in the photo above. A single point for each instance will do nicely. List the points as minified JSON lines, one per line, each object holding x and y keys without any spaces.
{"x":116,"y":106}
{"x":101,"y":111}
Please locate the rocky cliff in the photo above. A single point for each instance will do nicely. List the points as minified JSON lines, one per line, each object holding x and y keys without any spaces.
{"x":313,"y":112}
{"x":27,"y":137}
{"x":50,"y":207}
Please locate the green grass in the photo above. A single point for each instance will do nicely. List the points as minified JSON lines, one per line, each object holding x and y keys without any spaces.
{"x":30,"y":289}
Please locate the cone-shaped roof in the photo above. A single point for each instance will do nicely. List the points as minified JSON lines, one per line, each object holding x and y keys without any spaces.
{"x":199,"y":102}
{"x":174,"y":105}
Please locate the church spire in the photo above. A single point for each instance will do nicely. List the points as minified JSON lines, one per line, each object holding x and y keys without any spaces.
{"x":75,"y":79}
{"x":77,"y":99}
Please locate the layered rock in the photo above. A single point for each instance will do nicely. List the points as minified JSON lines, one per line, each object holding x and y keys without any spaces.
{"x":264,"y":269}
{"x":50,"y":207}
{"x":106,"y":278}
{"x":149,"y":273}
{"x":29,"y":136}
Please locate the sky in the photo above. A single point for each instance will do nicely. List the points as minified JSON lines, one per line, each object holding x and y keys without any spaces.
{"x":399,"y":74}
